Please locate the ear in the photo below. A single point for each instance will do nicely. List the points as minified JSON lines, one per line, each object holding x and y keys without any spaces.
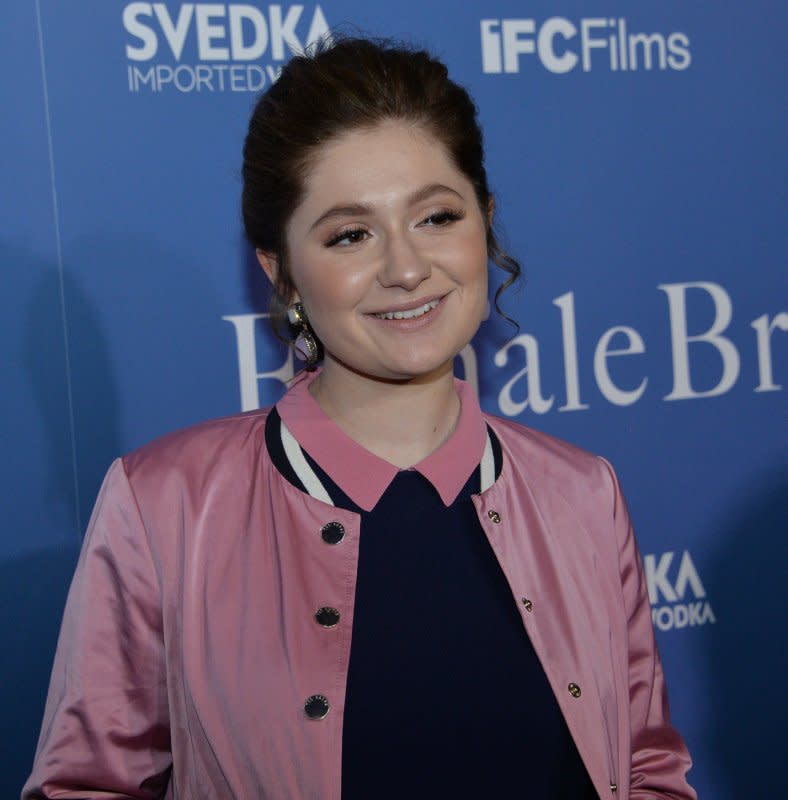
{"x":269,"y":264}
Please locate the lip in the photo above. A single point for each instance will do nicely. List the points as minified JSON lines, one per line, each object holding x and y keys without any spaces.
{"x":409,"y":306}
{"x":416,"y":323}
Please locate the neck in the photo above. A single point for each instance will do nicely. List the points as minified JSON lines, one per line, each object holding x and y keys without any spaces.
{"x":402,"y":422}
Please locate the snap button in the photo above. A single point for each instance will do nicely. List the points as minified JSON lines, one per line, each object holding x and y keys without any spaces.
{"x":333,"y":532}
{"x":613,"y":787}
{"x":529,"y":606}
{"x":494,"y":516}
{"x":574,"y":690}
{"x":316,"y":706}
{"x":327,"y":616}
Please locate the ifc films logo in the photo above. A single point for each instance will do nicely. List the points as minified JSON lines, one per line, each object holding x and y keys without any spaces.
{"x":211,"y":47}
{"x":561,"y":45}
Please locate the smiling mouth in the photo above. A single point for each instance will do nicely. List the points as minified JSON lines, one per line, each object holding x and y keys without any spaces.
{"x":411,"y":313}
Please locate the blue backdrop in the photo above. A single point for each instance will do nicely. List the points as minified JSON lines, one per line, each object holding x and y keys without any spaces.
{"x":637,"y":154}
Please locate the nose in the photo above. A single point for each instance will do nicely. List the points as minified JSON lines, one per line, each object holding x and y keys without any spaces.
{"x":403,"y":265}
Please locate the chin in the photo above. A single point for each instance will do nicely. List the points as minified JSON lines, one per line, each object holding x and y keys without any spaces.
{"x":419,"y":369}
{"x":401,"y":364}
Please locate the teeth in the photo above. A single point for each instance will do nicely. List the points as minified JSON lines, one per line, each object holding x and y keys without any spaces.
{"x":411,"y":314}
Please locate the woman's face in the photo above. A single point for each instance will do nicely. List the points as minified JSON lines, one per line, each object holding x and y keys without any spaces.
{"x":388,"y":253}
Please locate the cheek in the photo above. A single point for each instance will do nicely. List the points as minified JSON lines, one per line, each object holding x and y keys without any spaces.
{"x":472,"y":247}
{"x":328,"y":286}
{"x":470,"y":260}
{"x":476,"y":279}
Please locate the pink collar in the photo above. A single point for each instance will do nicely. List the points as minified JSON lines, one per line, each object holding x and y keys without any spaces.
{"x":362,"y":475}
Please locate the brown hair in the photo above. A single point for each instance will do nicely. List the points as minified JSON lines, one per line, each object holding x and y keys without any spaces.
{"x":337,"y":86}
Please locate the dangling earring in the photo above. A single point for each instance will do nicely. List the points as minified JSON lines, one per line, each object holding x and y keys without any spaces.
{"x":305,"y":343}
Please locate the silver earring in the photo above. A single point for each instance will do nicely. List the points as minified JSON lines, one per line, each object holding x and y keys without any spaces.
{"x":305,"y":344}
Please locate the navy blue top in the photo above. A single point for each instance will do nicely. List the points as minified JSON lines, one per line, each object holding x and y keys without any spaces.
{"x":446,"y":697}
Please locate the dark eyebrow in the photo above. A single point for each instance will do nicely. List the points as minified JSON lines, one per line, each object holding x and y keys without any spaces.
{"x":429,"y":190}
{"x":355,"y":209}
{"x":358,"y":209}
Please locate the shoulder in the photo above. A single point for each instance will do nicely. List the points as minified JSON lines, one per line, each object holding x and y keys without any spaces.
{"x":194,"y":452}
{"x":549,"y":452}
{"x":552,"y":463}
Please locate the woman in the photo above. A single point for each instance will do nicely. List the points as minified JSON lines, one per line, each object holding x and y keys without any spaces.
{"x":372,"y":589}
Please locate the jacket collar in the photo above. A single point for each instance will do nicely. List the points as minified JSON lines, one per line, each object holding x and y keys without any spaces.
{"x":362,"y":475}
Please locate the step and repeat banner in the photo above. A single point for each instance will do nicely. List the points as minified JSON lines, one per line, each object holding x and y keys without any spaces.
{"x":637,"y":155}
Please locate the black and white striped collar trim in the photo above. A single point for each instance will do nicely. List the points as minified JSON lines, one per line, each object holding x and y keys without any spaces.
{"x":304,"y":473}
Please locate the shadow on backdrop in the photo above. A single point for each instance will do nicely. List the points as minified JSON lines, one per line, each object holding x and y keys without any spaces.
{"x":32,"y":595}
{"x":94,"y":393}
{"x":34,"y":585}
{"x":746,"y":654}
{"x":42,"y":366}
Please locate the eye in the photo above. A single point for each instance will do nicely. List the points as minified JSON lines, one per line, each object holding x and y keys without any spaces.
{"x":349,"y":235}
{"x":443,"y":218}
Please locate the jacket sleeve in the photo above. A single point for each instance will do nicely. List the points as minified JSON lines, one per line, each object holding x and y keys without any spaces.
{"x":660,"y":759}
{"x":105,"y":731}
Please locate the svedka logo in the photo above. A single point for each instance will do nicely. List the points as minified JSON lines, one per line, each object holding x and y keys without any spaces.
{"x":592,"y":43}
{"x":675,"y":591}
{"x":222,"y":47}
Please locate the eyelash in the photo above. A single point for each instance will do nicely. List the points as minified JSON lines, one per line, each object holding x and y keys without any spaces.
{"x":449,"y":216}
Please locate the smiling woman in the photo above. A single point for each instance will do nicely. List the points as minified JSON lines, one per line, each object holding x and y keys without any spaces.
{"x":395,"y":284}
{"x":372,"y":589}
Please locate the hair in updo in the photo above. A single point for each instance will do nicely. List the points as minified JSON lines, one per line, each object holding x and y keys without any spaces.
{"x":333,"y":88}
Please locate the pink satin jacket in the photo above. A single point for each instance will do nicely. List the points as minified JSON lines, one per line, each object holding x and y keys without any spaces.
{"x":189,"y":646}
